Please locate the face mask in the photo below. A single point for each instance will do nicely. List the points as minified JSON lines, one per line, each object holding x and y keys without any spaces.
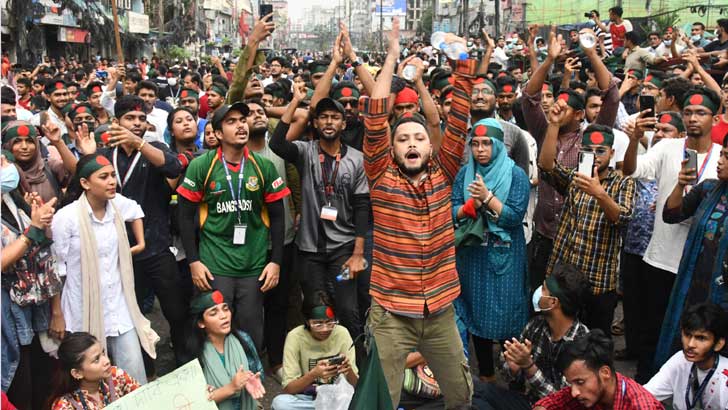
{"x":537,"y":294}
{"x":696,"y":37}
{"x":172,"y":81}
{"x":10,"y":178}
{"x":667,"y":42}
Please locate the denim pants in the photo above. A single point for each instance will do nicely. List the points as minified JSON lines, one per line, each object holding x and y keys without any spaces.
{"x":126,"y":353}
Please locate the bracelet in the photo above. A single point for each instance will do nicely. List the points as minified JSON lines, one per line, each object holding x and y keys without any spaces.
{"x":141,"y":145}
{"x":487,"y":201}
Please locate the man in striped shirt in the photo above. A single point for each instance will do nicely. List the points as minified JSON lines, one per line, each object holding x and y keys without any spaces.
{"x":414,"y":280}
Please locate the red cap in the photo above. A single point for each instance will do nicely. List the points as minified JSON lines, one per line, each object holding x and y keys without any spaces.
{"x":407,"y":95}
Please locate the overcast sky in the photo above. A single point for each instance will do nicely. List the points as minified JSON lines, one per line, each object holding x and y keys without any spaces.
{"x":295,"y":7}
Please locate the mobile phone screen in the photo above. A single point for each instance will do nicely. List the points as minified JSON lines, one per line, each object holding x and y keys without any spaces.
{"x":586,"y":163}
{"x":264,"y":10}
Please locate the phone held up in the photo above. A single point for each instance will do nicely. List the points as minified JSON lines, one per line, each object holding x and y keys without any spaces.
{"x":647,"y":102}
{"x":586,"y":163}
{"x":692,"y":156}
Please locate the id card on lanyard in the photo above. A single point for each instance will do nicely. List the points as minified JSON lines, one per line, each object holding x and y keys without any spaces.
{"x":329,"y":212}
{"x":129,"y":171}
{"x":240,"y":229}
{"x":698,"y":389}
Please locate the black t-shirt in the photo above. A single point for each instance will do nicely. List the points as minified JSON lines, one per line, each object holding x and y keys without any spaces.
{"x":716,"y":45}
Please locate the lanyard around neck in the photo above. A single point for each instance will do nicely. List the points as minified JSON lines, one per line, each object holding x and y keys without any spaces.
{"x":129,"y":171}
{"x":699,"y":389}
{"x":229,"y":179}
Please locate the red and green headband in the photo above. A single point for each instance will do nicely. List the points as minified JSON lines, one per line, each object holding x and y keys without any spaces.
{"x":488,"y":127}
{"x":219,"y":89}
{"x":597,"y":137}
{"x":15,"y":129}
{"x":698,"y":98}
{"x":322,"y":313}
{"x":98,"y":162}
{"x":189,"y":93}
{"x":650,"y":78}
{"x":80,"y":109}
{"x":572,"y":100}
{"x":206,"y":300}
{"x":345,"y":92}
{"x":506,"y":88}
{"x":673,"y":119}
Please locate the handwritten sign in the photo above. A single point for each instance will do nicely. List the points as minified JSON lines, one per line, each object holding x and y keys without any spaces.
{"x":183,"y":389}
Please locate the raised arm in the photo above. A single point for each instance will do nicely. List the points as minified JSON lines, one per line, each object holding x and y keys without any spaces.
{"x":490,"y":46}
{"x":601,"y":72}
{"x":375,"y":111}
{"x":535,"y":84}
{"x":249,"y":58}
{"x":428,"y":104}
{"x":708,"y":79}
{"x":364,"y":75}
{"x":323,"y":88}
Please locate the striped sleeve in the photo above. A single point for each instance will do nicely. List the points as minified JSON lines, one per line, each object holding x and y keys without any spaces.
{"x":377,"y":139}
{"x":450,"y":156}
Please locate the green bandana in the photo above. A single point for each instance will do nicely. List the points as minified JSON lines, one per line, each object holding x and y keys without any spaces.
{"x":483,"y":80}
{"x":440,"y":82}
{"x":219,"y":89}
{"x":673,"y":118}
{"x":9,"y":156}
{"x":92,"y":166}
{"x":345,"y":92}
{"x":80,"y":109}
{"x":699,"y":98}
{"x":490,"y":129}
{"x":572,"y":100}
{"x":15,"y":129}
{"x":322,"y":313}
{"x":318,"y":68}
{"x":206,"y":300}
{"x":636,"y":73}
{"x":596,"y":137}
{"x":547,"y":87}
{"x":187,"y":93}
{"x":650,"y":78}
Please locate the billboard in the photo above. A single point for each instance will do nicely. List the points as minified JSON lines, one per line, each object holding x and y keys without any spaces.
{"x":390,"y":7}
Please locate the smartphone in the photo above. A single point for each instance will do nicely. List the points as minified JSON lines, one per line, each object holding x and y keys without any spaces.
{"x":101,"y":74}
{"x":336,"y":361}
{"x":648,"y":102}
{"x":692,"y":156}
{"x":586,"y":163}
{"x":264,"y":10}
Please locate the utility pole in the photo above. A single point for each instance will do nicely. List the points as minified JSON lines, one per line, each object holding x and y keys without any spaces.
{"x":497,"y":18}
{"x":466,"y":20}
{"x":160,"y":17}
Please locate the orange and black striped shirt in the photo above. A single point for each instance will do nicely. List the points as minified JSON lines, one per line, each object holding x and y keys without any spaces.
{"x":413,"y":269}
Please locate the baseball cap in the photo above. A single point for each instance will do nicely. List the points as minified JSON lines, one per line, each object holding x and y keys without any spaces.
{"x":329,"y":104}
{"x":221,"y":112}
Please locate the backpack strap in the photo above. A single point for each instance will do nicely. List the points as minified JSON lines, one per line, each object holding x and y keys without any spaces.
{"x":203,"y":205}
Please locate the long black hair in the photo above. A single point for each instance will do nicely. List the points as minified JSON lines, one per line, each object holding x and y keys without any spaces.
{"x":196,"y":338}
{"x":75,"y":190}
{"x":71,"y":354}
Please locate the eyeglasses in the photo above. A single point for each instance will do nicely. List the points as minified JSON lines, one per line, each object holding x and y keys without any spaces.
{"x":598,"y":150}
{"x":484,"y":91}
{"x":330,"y":324}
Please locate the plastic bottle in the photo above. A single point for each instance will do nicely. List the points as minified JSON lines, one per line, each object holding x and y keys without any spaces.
{"x":346,"y":274}
{"x":409,"y":72}
{"x":450,"y":45}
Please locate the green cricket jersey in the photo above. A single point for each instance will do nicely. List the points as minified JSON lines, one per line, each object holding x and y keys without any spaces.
{"x":205,"y":183}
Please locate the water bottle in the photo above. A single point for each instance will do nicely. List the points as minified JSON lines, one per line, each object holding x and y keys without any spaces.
{"x":455,"y":50}
{"x":409,"y":72}
{"x":450,"y":45}
{"x":346,"y":274}
{"x":587,"y":40}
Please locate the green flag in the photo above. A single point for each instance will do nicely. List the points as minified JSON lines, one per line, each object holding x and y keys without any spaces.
{"x":371,"y":392}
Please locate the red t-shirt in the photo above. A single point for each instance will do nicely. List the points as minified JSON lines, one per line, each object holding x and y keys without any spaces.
{"x":617,"y":32}
{"x":25,"y":104}
{"x":720,"y":130}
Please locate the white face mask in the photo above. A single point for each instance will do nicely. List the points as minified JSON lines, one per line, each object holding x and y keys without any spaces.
{"x":696,"y":37}
{"x":667,"y":42}
{"x":536,"y":299}
{"x":172,"y":81}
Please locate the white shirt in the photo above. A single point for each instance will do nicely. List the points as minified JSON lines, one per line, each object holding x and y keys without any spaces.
{"x":67,"y":248}
{"x":500,"y":57}
{"x":672,"y":380}
{"x":158,"y":118}
{"x":663,"y":162}
{"x":60,"y":122}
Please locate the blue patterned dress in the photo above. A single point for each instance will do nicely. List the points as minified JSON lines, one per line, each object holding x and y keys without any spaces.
{"x":494,"y":299}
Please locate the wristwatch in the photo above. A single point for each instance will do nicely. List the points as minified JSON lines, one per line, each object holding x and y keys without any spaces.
{"x":356,"y":63}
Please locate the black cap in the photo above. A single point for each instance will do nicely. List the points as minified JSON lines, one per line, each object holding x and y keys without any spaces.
{"x":221,"y":112}
{"x":329,"y":104}
{"x":410,"y":117}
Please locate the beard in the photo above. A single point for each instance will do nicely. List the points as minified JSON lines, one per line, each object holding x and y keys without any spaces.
{"x":331,"y":137}
{"x":478,"y":114}
{"x":412,"y":171}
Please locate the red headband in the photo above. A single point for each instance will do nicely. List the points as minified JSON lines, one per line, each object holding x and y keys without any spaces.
{"x":406,"y":96}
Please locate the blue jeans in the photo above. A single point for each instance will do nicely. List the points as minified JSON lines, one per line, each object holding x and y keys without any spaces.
{"x":292,"y":402}
{"x":126,"y":353}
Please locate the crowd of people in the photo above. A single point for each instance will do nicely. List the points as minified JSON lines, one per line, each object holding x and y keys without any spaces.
{"x":300,"y":219}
